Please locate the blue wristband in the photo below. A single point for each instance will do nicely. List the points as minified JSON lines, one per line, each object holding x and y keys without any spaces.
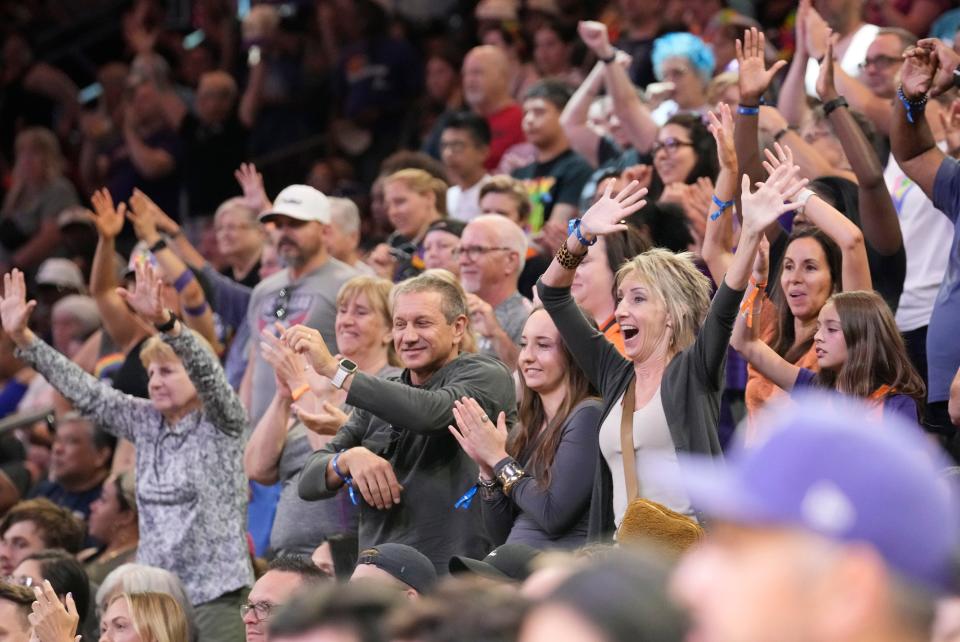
{"x":746,"y":110}
{"x":464,"y":502}
{"x":346,"y":479}
{"x":573,"y":227}
{"x":721,"y":205}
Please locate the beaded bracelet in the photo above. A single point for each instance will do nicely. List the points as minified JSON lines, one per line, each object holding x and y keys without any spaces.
{"x":909,"y":106}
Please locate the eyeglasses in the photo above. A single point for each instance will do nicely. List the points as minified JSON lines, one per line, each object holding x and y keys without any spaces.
{"x":474,"y":252}
{"x":261,"y":610}
{"x":280,"y":305}
{"x":671,"y":145}
{"x":880,"y":62}
{"x":19,"y":580}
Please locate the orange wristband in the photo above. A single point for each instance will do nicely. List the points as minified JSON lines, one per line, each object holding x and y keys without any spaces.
{"x":299,"y":392}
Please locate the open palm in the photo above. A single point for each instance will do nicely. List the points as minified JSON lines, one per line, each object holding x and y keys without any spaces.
{"x":754,"y":77}
{"x":722,"y":129}
{"x":763,"y":207}
{"x":14,"y":308}
{"x":107,"y":218}
{"x":607,"y":214}
{"x":145,"y":299}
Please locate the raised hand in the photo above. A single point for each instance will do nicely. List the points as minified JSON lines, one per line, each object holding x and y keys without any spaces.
{"x":764,"y":206}
{"x":51,"y":620}
{"x":595,"y":37}
{"x":107,"y":218}
{"x":800,"y":40}
{"x":946,"y":60}
{"x":817,"y":33}
{"x":606,"y":215}
{"x":826,"y":87}
{"x":482,"y":440}
{"x":146,"y":299}
{"x":326,"y":422}
{"x":754,"y":77}
{"x":160,"y":219}
{"x":15,"y":309}
{"x":309,"y":343}
{"x":251,"y":182}
{"x":143,"y":217}
{"x":917,"y":73}
{"x":722,"y":129}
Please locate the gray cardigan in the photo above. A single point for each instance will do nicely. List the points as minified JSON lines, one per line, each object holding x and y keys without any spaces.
{"x":690,"y":389}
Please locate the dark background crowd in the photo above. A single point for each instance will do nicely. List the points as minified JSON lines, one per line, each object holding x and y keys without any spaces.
{"x":308,"y":292}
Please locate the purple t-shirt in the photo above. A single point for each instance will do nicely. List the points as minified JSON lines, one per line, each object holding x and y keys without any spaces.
{"x":943,"y":349}
{"x":895,"y":404}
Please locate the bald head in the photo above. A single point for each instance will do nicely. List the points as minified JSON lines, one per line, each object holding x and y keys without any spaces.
{"x":216,"y":95}
{"x":493,"y":251}
{"x":486,"y":79}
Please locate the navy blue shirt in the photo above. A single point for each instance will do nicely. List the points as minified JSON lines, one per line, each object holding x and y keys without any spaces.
{"x":943,"y":349}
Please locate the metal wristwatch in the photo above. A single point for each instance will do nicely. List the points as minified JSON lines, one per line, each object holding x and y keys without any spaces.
{"x":344,"y":370}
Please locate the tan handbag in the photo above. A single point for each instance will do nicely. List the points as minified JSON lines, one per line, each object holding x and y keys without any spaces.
{"x":645,"y":520}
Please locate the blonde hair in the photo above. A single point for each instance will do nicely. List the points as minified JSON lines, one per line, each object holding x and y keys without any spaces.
{"x":422,"y":182}
{"x":44,"y":141}
{"x":156,"y":349}
{"x":377,"y":290}
{"x":719,"y":84}
{"x":681,"y":287}
{"x":156,"y":617}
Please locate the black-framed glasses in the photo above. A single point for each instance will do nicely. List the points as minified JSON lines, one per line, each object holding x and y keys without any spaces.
{"x":670,"y":145}
{"x":881,"y":62}
{"x":474,"y":252}
{"x":261,"y":610}
{"x":281,"y":303}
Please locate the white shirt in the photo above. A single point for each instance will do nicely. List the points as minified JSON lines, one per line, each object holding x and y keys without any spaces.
{"x":855,"y":54}
{"x":653,"y":447}
{"x":464,"y":204}
{"x":927,"y":234}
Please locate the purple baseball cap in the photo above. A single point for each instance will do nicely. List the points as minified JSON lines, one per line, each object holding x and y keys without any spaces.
{"x":830,"y":469}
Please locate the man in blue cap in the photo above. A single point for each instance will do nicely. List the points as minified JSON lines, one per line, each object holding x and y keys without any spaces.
{"x":838,"y":527}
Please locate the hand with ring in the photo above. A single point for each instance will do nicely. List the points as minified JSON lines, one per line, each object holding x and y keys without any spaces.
{"x":484,"y":441}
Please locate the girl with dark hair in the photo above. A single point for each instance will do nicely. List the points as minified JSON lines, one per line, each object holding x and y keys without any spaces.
{"x":683,"y":152}
{"x":555,"y":442}
{"x":859,"y":352}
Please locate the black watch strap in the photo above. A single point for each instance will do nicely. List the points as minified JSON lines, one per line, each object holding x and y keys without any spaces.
{"x":956,"y":77}
{"x":159,"y":245}
{"x":831,"y":105}
{"x":168,"y":326}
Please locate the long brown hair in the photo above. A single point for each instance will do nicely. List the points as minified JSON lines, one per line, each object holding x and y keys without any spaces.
{"x":876,"y":354}
{"x":785,"y":337}
{"x":536,"y":439}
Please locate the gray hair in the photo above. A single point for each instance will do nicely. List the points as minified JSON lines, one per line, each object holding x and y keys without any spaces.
{"x":344,"y":214}
{"x":453,"y":302}
{"x":507,"y":233}
{"x":82,"y":308}
{"x":140,"y":578}
{"x":236,"y":204}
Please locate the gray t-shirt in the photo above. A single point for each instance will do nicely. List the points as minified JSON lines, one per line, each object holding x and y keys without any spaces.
{"x":301,"y":526}
{"x":511,"y":314}
{"x":310,"y":301}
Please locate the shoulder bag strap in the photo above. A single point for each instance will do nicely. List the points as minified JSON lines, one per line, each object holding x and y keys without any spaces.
{"x":626,"y":442}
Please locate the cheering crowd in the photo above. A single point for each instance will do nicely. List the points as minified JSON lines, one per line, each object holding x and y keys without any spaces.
{"x":536,"y":320}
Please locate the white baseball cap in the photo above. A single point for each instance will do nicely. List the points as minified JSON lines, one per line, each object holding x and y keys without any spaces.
{"x":61,"y":273}
{"x":301,"y":202}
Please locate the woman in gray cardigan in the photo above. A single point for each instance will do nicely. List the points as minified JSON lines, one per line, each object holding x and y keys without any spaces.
{"x":675,"y":342}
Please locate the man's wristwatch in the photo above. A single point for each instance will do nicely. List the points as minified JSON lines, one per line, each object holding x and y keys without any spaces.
{"x":344,"y":370}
